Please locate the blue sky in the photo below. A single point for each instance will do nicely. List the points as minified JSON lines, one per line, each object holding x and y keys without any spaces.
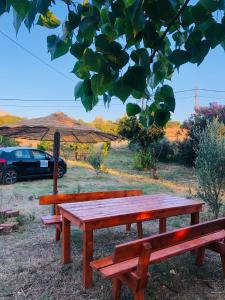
{"x":22,"y":76}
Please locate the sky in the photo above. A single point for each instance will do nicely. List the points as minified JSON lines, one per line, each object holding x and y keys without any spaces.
{"x":24,"y":77}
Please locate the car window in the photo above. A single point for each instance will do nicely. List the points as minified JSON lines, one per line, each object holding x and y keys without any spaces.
{"x":22,"y":154}
{"x":39,"y":155}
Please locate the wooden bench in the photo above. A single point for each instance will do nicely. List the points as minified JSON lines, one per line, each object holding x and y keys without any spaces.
{"x":129,"y":262}
{"x":56,"y":219}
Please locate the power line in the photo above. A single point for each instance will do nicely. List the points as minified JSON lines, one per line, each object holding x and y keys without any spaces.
{"x":35,"y":56}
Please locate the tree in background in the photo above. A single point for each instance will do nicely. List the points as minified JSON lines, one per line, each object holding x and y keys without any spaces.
{"x":210,"y":164}
{"x":197,"y":123}
{"x":142,"y":139}
{"x":8,"y":142}
{"x":104,"y":125}
{"x":126,"y":48}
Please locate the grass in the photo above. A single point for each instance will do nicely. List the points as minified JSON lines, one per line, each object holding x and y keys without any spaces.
{"x":30,"y":265}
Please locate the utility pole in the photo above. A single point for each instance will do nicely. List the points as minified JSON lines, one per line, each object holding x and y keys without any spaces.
{"x":196,"y":99}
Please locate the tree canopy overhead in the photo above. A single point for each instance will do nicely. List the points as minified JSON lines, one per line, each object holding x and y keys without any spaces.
{"x":127,"y":48}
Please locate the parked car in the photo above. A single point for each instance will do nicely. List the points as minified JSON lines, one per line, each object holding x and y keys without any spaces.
{"x":20,"y":162}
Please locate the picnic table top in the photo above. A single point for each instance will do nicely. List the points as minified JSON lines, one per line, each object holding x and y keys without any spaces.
{"x":137,"y":206}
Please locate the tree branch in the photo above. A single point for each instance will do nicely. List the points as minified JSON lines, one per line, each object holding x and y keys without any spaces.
{"x":169,"y":26}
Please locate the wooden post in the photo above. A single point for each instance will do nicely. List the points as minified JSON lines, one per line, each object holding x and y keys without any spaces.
{"x":66,"y":241}
{"x":162,"y":225}
{"x":56,"y":151}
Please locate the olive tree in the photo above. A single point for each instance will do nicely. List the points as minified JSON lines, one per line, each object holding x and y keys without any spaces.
{"x":210,"y":165}
{"x":127,"y":48}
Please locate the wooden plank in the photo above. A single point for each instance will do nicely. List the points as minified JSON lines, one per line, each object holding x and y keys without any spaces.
{"x":87,"y":258}
{"x":66,"y":241}
{"x":162,"y":225}
{"x":51,"y":220}
{"x":126,"y":266}
{"x":165,"y":240}
{"x":79,"y":197}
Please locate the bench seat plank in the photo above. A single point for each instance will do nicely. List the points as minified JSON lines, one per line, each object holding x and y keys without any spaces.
{"x":51,"y":220}
{"x":114,"y":270}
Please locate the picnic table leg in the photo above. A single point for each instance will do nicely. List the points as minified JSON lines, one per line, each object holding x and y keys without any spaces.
{"x":139,"y":230}
{"x":195,"y":218}
{"x":162,"y":225}
{"x":87,"y":258}
{"x":66,"y":241}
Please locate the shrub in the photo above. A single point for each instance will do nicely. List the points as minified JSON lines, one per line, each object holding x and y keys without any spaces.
{"x":8,"y":142}
{"x":105,"y":148}
{"x":198,"y":122}
{"x":165,"y":150}
{"x":210,"y":165}
{"x":95,"y":159}
{"x":145,"y":160}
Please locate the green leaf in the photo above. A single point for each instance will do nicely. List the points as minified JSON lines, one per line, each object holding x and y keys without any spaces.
{"x":88,"y":27}
{"x":179,"y":57}
{"x":17,"y":21}
{"x":80,"y":70}
{"x":194,"y":37}
{"x":135,"y":78}
{"x":199,"y":52}
{"x":100,"y":83}
{"x":77,"y":50}
{"x":43,"y":6}
{"x":210,"y":5}
{"x":161,"y":116}
{"x":4,"y":6}
{"x":136,"y":16}
{"x":101,"y":42}
{"x":187,"y":17}
{"x":56,"y":46}
{"x":199,"y":13}
{"x":118,"y":60}
{"x":49,"y":20}
{"x":132,"y":109}
{"x":92,"y":60}
{"x":21,"y":7}
{"x":118,"y":8}
{"x":108,"y":30}
{"x":215,"y":34}
{"x":73,"y":20}
{"x":121,"y":90}
{"x":84,"y":92}
{"x":165,"y":94}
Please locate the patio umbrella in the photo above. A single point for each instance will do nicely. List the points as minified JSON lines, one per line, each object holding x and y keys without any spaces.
{"x":55,"y":127}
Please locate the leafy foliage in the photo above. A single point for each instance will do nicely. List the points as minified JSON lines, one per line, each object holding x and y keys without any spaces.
{"x":127,"y":47}
{"x":131,"y":129}
{"x":210,"y":165}
{"x":198,"y":122}
{"x":95,"y":159}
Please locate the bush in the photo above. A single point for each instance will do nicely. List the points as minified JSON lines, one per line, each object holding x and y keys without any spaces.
{"x":198,"y":122}
{"x":145,"y":160}
{"x":105,"y":148}
{"x":210,"y":165}
{"x":8,"y":142}
{"x":95,"y":159}
{"x":165,"y":150}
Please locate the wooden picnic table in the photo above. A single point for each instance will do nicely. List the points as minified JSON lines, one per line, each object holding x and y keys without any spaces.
{"x":93,"y":215}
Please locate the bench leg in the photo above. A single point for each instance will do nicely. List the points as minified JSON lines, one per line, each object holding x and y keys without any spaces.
{"x":66,"y":241}
{"x":87,"y":258}
{"x":128,"y":227}
{"x":139,"y":295}
{"x":116,"y":289}
{"x":162,"y":225}
{"x":200,"y":253}
{"x":57,"y":233}
{"x":139,"y":230}
{"x":222,"y":256}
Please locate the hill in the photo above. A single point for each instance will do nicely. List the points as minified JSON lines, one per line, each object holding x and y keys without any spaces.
{"x":7,"y":118}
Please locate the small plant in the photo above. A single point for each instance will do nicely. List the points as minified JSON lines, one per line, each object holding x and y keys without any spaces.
{"x":145,"y":160}
{"x":95,"y":159}
{"x":210,"y":165}
{"x":105,"y":149}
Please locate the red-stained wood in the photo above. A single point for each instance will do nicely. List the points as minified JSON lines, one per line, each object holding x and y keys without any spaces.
{"x":131,"y":266}
{"x":51,"y":220}
{"x":66,"y":241}
{"x":88,"y":248}
{"x":89,"y":196}
{"x":139,"y":230}
{"x":162,"y":225}
{"x":92,"y":215}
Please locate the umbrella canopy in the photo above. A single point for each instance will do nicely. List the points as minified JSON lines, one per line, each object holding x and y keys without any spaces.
{"x":55,"y":127}
{"x":44,"y":128}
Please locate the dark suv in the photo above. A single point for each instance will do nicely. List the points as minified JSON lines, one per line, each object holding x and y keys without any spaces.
{"x":20,"y":162}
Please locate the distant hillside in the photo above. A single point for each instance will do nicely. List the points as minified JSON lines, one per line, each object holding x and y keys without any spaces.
{"x":5,"y":119}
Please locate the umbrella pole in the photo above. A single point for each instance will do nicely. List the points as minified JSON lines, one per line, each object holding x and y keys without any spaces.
{"x":56,"y":149}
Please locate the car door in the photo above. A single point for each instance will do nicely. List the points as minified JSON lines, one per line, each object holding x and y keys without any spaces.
{"x":23,"y":161}
{"x":41,"y":162}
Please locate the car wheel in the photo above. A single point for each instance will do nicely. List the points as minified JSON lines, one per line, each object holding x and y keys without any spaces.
{"x":61,"y":172}
{"x":10,"y":176}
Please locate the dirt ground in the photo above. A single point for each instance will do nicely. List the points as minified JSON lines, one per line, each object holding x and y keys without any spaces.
{"x":30,"y":265}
